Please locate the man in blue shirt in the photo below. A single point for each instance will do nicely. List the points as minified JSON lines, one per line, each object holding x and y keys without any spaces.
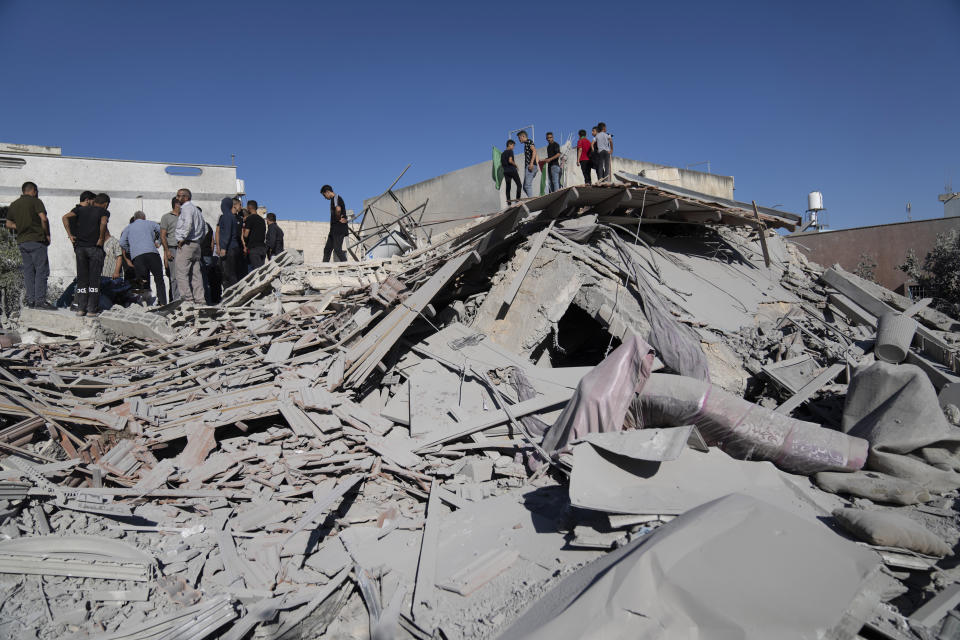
{"x":228,"y":241}
{"x":190,"y":232}
{"x":140,"y":241}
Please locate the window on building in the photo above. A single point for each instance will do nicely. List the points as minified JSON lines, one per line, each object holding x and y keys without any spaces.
{"x":175,"y":170}
{"x":918,"y":292}
{"x":10,"y":162}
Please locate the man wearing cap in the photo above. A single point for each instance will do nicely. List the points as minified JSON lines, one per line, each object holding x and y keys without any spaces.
{"x":190,"y":232}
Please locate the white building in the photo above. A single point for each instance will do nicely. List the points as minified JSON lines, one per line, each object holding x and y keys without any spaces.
{"x":131,"y":185}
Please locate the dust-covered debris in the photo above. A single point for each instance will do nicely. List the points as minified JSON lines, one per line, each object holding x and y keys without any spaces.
{"x":426,"y":445}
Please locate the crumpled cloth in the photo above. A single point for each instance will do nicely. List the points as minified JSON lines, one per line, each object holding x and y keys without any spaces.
{"x":894,"y":407}
{"x":603,"y":396}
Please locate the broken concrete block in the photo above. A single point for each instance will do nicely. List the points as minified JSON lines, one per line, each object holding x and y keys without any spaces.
{"x":61,"y":322}
{"x":478,"y":470}
{"x":134,"y":323}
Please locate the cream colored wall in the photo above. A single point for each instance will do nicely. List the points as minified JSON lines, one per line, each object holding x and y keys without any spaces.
{"x":307,"y":236}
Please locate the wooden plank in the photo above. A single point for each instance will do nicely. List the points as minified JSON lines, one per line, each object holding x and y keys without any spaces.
{"x":762,"y":229}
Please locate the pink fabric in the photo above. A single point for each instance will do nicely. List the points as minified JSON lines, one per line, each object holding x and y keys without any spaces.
{"x":603,"y":396}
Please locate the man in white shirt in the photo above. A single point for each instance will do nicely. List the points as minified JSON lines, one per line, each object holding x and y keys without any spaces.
{"x":191,"y":229}
{"x":604,"y":142}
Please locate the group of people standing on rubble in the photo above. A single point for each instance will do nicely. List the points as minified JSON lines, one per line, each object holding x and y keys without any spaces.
{"x":197,"y":258}
{"x":592,"y":155}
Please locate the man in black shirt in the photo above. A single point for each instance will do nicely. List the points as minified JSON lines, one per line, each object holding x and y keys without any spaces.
{"x":338,"y":225}
{"x":274,"y":236}
{"x":254,"y":234}
{"x":510,"y":173}
{"x":87,"y":229}
{"x":529,"y":163}
{"x":553,"y":162}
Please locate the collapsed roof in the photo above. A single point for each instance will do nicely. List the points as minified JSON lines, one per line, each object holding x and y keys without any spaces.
{"x":425,"y":446}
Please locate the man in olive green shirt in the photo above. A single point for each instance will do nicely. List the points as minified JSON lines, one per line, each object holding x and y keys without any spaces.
{"x":168,"y":228}
{"x":28,"y":217}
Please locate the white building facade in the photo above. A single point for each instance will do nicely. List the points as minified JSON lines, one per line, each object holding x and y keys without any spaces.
{"x":131,"y":185}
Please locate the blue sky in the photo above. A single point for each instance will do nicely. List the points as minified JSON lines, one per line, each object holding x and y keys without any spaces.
{"x":858,"y":99}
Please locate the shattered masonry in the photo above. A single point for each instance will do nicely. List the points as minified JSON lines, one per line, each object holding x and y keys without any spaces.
{"x":634,"y":390}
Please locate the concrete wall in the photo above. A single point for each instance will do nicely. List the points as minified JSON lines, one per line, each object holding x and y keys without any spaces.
{"x":951,"y":204}
{"x":469,"y":192}
{"x":453,"y":197}
{"x":887,"y":244}
{"x":308,"y":237}
{"x":60,"y":180}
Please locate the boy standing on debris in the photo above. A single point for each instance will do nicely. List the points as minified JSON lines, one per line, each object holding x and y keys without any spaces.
{"x":139,"y":240}
{"x":28,"y":217}
{"x":191,"y":230}
{"x":604,"y":142}
{"x":529,"y":162}
{"x":168,"y":228}
{"x":338,"y":225}
{"x":87,"y":229}
{"x":553,"y":162}
{"x":510,"y":173}
{"x":274,"y":236}
{"x":583,"y":155}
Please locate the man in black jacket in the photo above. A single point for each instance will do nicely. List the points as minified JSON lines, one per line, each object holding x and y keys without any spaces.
{"x":274,"y":236}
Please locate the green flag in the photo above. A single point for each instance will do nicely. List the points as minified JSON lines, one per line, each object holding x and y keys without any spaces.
{"x":543,"y":179}
{"x":497,"y":168}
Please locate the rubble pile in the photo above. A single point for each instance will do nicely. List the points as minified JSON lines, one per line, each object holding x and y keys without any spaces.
{"x":620,"y":410}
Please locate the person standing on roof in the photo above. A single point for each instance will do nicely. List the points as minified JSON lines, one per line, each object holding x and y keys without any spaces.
{"x":227,"y":241}
{"x":604,"y":142}
{"x":28,"y":217}
{"x":140,"y":241}
{"x":191,"y":230}
{"x":529,"y":162}
{"x":553,"y":162}
{"x":274,"y":236}
{"x":583,"y":155}
{"x":87,"y":229}
{"x":510,"y":173}
{"x":338,"y":225}
{"x":168,"y":228}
